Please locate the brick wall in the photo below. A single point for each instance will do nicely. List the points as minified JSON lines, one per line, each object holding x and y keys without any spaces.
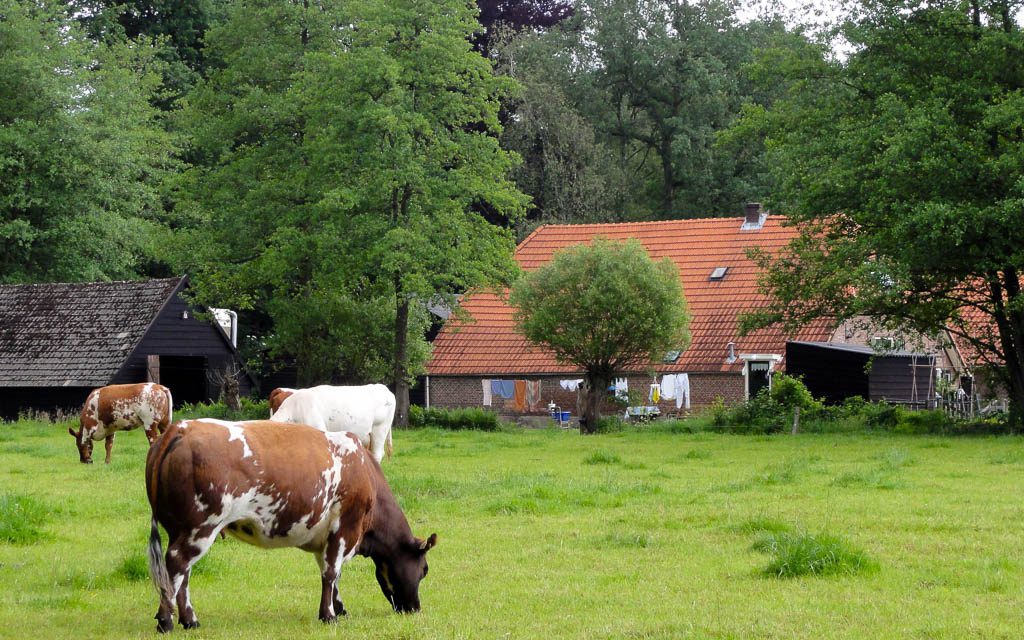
{"x":453,"y":392}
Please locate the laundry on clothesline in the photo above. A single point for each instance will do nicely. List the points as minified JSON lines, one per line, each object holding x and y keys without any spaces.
{"x":676,"y":386}
{"x":570,"y":385}
{"x":487,"y":392}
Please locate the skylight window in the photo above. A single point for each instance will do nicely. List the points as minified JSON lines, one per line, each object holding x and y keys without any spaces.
{"x":718,"y":273}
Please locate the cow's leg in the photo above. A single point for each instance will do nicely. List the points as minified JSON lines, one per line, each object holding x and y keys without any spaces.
{"x":152,"y":432}
{"x":109,"y":443}
{"x":380,"y":434}
{"x":182,"y":554}
{"x":330,"y":560}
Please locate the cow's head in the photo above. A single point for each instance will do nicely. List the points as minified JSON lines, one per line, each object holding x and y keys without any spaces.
{"x":83,"y":440}
{"x":399,"y":575}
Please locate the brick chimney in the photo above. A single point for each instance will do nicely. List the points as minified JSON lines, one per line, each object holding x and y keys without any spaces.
{"x":752,"y":213}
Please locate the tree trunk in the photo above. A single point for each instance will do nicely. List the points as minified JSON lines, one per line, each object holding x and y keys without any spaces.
{"x":401,"y":379}
{"x":597,"y":385}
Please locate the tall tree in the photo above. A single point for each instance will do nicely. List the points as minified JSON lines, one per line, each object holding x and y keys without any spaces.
{"x":82,"y":154}
{"x":344,"y":147}
{"x":627,"y":310}
{"x":570,"y":175}
{"x":176,"y":27}
{"x":904,"y":166}
{"x":665,"y":78}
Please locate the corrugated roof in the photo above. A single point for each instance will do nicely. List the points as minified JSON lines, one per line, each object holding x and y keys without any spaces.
{"x":489,"y":345}
{"x":74,"y":334}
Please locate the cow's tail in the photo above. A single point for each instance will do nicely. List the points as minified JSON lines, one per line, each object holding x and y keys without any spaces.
{"x":157,"y":567}
{"x":388,"y":449}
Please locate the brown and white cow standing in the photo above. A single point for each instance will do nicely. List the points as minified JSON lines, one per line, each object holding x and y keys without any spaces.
{"x":275,"y":485}
{"x":122,"y":407}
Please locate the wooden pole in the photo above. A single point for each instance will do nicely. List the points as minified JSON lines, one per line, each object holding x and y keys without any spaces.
{"x":796,"y":420}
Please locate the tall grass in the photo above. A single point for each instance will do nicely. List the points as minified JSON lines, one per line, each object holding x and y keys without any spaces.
{"x":21,"y":519}
{"x":803,"y":554}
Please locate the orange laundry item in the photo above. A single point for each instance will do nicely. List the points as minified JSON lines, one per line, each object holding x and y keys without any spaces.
{"x":519,"y":396}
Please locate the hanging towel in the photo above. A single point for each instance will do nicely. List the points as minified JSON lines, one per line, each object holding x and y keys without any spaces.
{"x":668,"y":386}
{"x":519,"y":395}
{"x":654,"y":395}
{"x":533,"y":395}
{"x":683,"y":390}
{"x":487,"y":392}
{"x":508,"y":388}
{"x":496,"y":388}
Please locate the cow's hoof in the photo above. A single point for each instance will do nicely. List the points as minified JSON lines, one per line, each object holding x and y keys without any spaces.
{"x":164,"y":625}
{"x":194,"y":624}
{"x":328,"y":619}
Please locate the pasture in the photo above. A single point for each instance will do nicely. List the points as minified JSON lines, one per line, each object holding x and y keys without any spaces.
{"x":546,"y":534}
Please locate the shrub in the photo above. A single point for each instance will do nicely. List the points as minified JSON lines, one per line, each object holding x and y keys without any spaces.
{"x":790,"y":392}
{"x":472,"y":418}
{"x":20,"y":519}
{"x":801,"y":554}
{"x":250,"y":410}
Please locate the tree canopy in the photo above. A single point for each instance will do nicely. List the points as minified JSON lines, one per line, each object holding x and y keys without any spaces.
{"x":904,"y":166}
{"x":605,"y":307}
{"x":82,"y":153}
{"x":340,"y":170}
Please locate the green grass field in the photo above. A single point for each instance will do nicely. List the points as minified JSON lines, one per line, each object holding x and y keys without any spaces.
{"x":547,"y":534}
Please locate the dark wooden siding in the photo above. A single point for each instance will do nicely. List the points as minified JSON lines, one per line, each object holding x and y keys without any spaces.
{"x":17,"y":400}
{"x":831,"y":374}
{"x":171,"y":334}
{"x":896,"y":379}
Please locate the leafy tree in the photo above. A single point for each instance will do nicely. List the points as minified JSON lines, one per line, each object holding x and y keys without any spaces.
{"x":176,"y":27}
{"x":663,"y":79}
{"x":82,"y":154}
{"x":569,"y":174}
{"x":904,"y":167}
{"x":604,"y":307}
{"x":344,"y":148}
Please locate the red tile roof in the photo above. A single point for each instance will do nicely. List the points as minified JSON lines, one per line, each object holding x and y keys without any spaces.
{"x":489,"y":344}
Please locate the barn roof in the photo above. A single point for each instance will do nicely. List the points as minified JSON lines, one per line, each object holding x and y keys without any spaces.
{"x":719,"y":282}
{"x":75,"y":335}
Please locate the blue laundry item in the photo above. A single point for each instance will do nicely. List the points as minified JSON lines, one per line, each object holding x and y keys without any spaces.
{"x":508,"y":388}
{"x":496,"y":388}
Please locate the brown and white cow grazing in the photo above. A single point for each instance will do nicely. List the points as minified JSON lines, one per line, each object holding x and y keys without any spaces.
{"x":121,"y":407}
{"x":275,"y":485}
{"x":277,"y":396}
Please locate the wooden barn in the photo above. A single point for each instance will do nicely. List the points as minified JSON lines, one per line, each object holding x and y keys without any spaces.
{"x":839,"y":371}
{"x":59,"y":341}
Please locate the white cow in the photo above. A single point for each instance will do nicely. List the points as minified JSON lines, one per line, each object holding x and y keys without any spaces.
{"x":366,"y":412}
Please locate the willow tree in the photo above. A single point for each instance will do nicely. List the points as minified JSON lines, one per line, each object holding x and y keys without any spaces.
{"x":606,"y":308}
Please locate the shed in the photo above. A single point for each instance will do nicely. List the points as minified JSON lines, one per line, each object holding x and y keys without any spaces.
{"x":839,"y":371}
{"x":59,"y":341}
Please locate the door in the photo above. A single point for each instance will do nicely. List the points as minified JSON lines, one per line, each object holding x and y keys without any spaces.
{"x":759,"y":376}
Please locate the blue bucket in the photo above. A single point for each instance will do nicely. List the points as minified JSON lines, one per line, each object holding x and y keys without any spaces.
{"x":565,"y":416}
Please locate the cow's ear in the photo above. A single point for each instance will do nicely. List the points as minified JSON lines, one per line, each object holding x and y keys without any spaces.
{"x":72,"y":432}
{"x":429,"y":543}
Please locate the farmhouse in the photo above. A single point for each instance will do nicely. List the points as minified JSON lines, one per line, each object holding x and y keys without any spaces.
{"x":60,"y":341}
{"x":483,"y":361}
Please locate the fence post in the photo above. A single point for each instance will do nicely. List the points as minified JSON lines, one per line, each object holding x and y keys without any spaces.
{"x":796,"y":420}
